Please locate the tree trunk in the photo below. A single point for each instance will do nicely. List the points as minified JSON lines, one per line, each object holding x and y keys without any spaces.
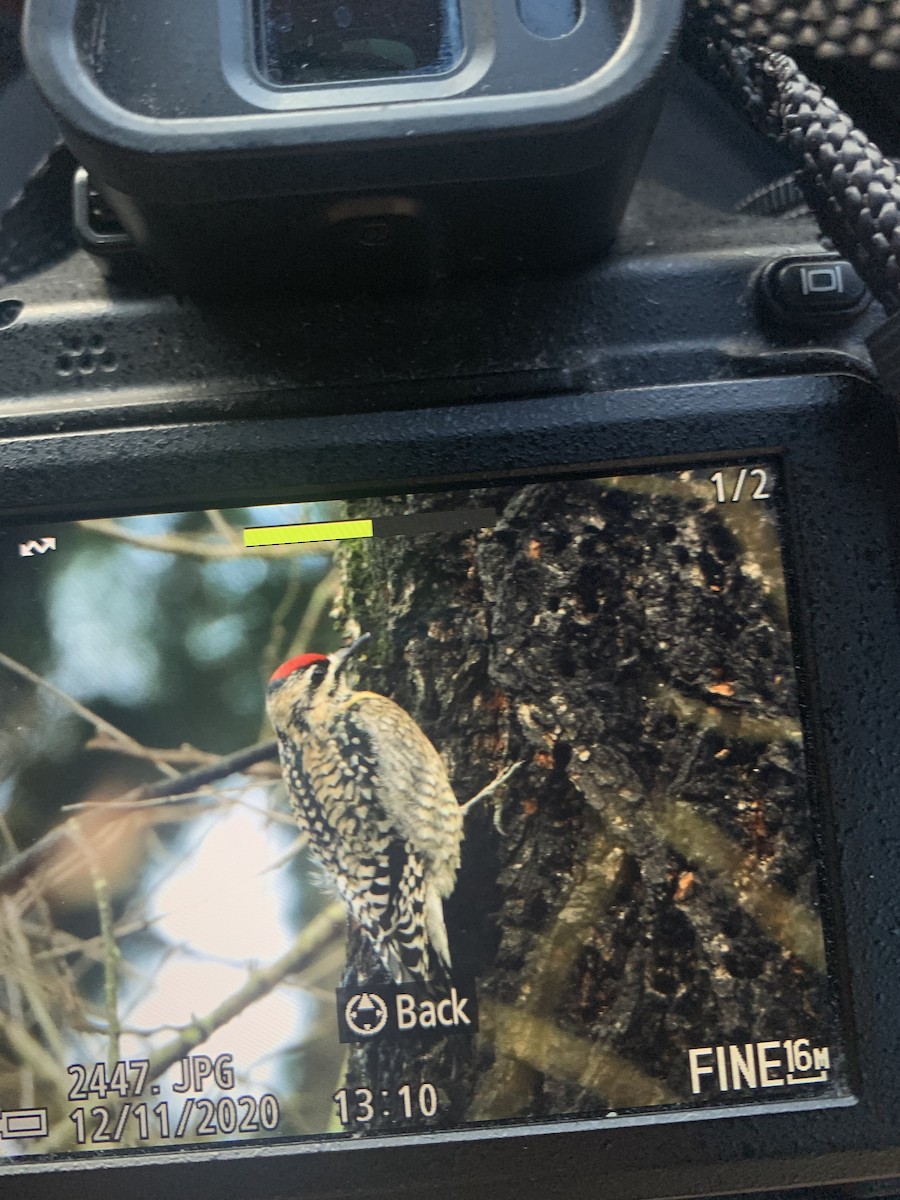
{"x":650,"y":884}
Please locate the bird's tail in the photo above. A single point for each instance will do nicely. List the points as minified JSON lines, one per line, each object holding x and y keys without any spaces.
{"x":412,"y":944}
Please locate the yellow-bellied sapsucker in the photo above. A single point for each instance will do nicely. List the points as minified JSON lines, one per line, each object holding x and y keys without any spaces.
{"x":372,"y":793}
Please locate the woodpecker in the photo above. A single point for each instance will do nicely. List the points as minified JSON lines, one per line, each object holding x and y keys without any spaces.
{"x":372,"y":794}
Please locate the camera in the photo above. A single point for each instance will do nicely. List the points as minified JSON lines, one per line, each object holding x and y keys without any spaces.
{"x":359,"y":144}
{"x":448,"y":736}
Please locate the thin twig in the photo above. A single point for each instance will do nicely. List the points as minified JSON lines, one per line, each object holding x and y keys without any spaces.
{"x":299,"y":843}
{"x":125,"y":805}
{"x":224,"y":528}
{"x":45,"y":929}
{"x":274,"y":651}
{"x":324,"y":591}
{"x":193,"y":547}
{"x":230,"y":764}
{"x":304,"y":951}
{"x":14,"y":873}
{"x":272,"y":815}
{"x":23,"y":970}
{"x":130,"y":1030}
{"x":180,"y":756}
{"x":111,"y":953}
{"x":6,"y":836}
{"x":118,"y":736}
{"x":17,"y":1015}
{"x":31,"y":1052}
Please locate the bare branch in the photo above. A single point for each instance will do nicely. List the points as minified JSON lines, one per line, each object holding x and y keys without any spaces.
{"x":32,"y":1053}
{"x":230,"y":764}
{"x":194,"y":547}
{"x":125,"y":805}
{"x":112,"y":955}
{"x":324,"y":591}
{"x":180,"y":756}
{"x":14,"y":873}
{"x":224,"y":528}
{"x":102,"y":726}
{"x":305,"y":950}
{"x":22,"y":969}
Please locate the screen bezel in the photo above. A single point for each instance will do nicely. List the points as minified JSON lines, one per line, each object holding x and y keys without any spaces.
{"x":840,"y":474}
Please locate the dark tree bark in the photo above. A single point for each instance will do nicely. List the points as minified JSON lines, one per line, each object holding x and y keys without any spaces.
{"x":652,"y":887}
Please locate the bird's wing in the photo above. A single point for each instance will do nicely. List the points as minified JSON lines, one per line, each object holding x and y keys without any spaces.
{"x":410,"y":782}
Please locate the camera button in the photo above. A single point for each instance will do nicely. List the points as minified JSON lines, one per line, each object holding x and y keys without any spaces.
{"x":813,"y":289}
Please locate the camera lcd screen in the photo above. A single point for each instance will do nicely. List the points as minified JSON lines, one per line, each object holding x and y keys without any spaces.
{"x":426,"y":811}
{"x":335,"y":41}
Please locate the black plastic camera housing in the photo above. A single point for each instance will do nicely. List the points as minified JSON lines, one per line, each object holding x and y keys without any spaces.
{"x":669,"y":353}
{"x":237,"y":146}
{"x":840,"y":472}
{"x":665,"y":355}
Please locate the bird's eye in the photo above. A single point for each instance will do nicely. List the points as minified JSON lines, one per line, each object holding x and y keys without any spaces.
{"x":317,"y":674}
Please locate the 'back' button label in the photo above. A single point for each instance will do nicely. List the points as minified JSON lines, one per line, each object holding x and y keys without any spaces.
{"x":403,"y":1009}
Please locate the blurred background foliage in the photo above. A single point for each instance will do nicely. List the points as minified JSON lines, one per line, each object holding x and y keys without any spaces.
{"x":167,"y":629}
{"x":171,"y":648}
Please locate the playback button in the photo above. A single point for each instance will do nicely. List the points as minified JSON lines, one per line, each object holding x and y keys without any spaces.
{"x":814,"y":290}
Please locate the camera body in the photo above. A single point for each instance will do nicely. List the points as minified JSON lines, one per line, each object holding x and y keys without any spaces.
{"x":147,"y":404}
{"x":249,"y":146}
{"x":720,"y":355}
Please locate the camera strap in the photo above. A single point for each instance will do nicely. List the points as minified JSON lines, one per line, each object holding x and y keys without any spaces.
{"x":36,"y":230}
{"x":863,"y":31}
{"x":852,"y":187}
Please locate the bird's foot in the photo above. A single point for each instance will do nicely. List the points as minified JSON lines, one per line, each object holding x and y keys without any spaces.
{"x":487,"y":793}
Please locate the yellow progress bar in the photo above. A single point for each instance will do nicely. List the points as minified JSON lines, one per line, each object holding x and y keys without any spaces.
{"x":318,"y":531}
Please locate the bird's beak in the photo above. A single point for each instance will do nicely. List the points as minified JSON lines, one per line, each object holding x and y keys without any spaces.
{"x":342,"y":657}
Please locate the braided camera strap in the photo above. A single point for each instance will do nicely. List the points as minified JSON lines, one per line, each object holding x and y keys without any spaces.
{"x":864,"y":31}
{"x":851,"y":186}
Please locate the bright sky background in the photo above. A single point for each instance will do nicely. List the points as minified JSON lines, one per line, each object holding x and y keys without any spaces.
{"x":225,"y":913}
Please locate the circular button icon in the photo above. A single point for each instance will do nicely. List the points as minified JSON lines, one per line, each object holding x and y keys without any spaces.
{"x":366,"y":1014}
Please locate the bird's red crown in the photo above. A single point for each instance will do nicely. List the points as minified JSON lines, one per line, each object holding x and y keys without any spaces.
{"x":297,"y":664}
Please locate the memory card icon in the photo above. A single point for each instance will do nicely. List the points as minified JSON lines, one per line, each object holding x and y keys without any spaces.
{"x":24,"y":1123}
